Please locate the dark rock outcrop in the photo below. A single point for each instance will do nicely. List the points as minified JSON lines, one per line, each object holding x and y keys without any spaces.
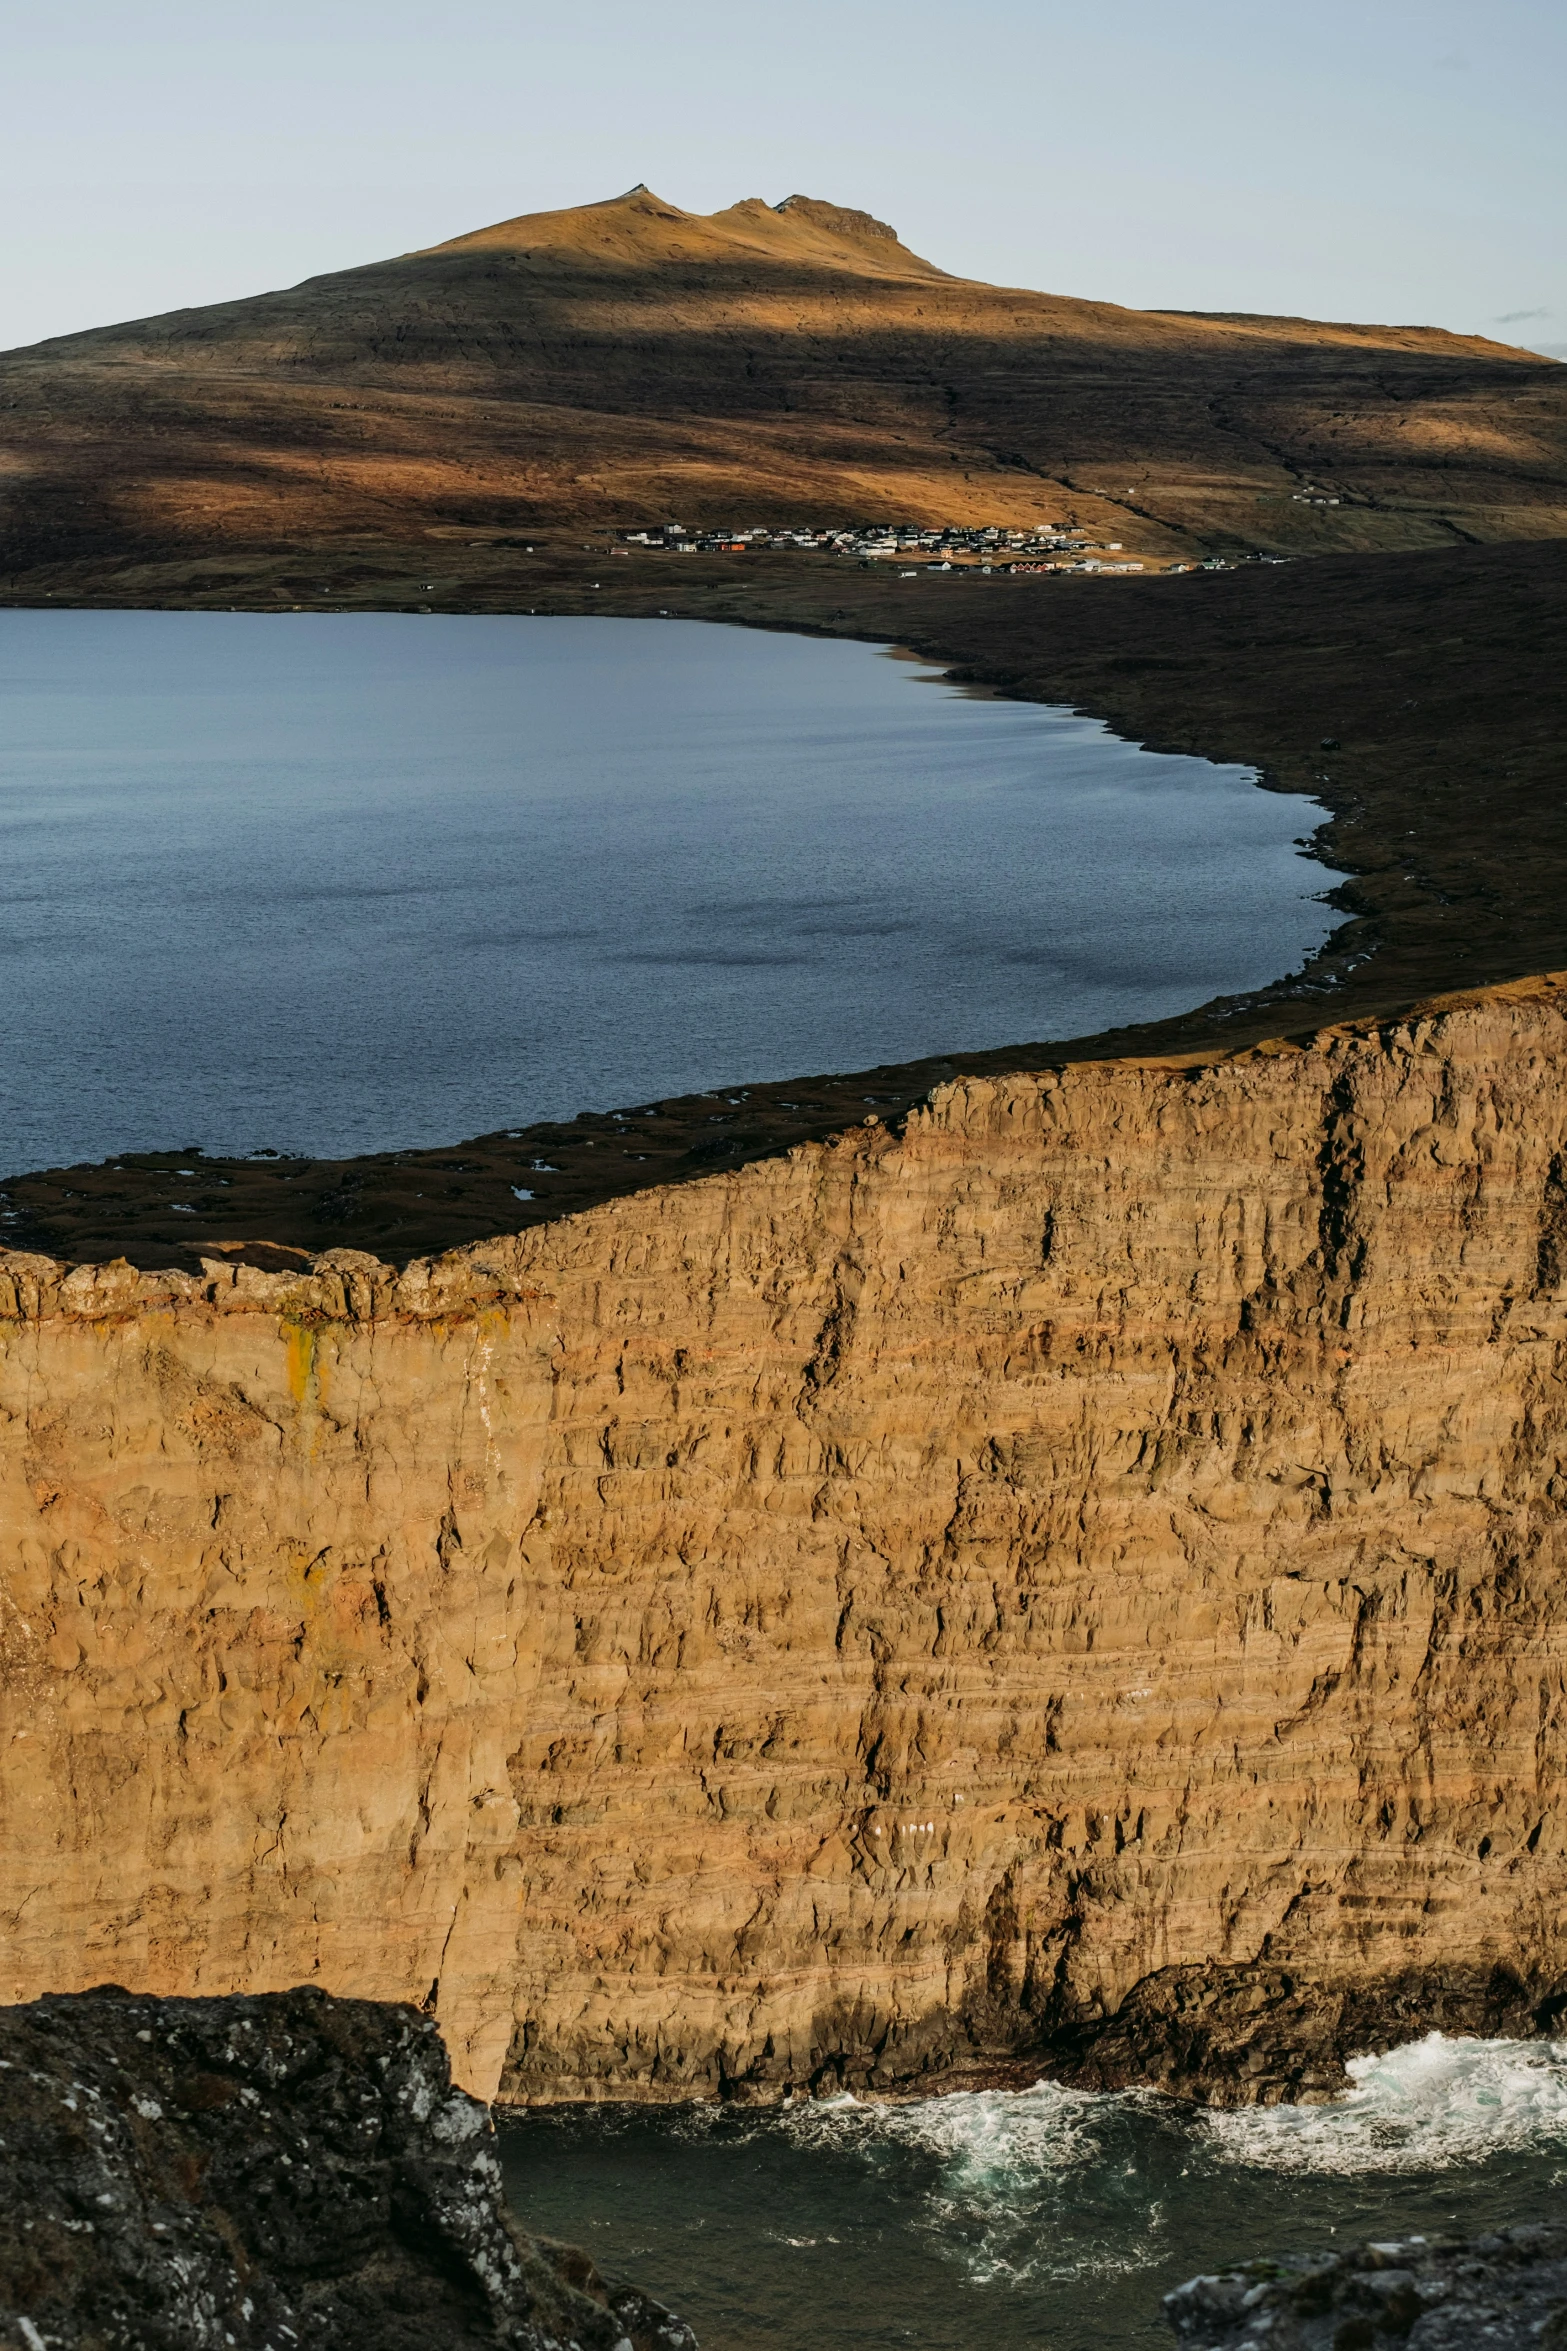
{"x":1257,"y":2035}
{"x":282,"y":2173}
{"x":1507,"y":2292}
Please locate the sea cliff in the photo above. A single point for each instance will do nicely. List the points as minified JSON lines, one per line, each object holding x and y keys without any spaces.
{"x":1071,"y":1582}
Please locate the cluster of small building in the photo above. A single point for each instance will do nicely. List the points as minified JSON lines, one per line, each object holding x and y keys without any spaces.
{"x":958,"y":546}
{"x":1048,"y":547}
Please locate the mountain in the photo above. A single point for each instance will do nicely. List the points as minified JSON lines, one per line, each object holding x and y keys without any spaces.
{"x":629,"y":360}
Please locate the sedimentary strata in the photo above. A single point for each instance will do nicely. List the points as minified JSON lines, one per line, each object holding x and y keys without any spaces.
{"x":269,"y":2174}
{"x":1507,"y":2291}
{"x":1074,"y":1581}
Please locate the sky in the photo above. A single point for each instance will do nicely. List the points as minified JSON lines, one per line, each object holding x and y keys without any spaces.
{"x":1382,"y":160}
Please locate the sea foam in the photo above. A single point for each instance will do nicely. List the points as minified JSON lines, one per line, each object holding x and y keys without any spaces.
{"x":1426,"y":2106}
{"x":1041,"y":2186}
{"x":994,"y":2169}
{"x":1057,"y":2182}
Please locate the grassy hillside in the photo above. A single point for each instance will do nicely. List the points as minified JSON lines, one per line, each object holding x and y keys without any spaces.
{"x":628,"y":360}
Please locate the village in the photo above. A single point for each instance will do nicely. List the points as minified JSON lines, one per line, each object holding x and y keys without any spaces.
{"x":1049,"y":547}
{"x":955,"y":548}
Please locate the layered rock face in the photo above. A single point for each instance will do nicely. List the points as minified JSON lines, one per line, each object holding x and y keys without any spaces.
{"x":1076,"y":1581}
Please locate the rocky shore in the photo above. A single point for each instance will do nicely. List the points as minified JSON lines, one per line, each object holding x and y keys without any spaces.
{"x":283,"y":2173}
{"x":1503,"y":2292}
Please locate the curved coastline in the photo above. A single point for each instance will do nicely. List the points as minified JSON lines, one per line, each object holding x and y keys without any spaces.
{"x":1444,"y":811}
{"x":1045,"y":1561}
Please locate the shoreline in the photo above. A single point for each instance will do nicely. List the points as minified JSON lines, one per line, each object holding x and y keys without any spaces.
{"x":1449,"y":886}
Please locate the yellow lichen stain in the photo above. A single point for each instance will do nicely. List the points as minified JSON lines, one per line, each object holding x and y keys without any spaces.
{"x":303,"y":1383}
{"x":300,"y":1566}
{"x":306,"y":1365}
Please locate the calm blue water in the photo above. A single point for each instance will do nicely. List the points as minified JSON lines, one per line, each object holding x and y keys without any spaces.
{"x":1046,"y":2220}
{"x":341,"y":883}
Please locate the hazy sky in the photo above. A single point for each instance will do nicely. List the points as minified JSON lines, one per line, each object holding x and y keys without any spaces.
{"x":1370,"y":159}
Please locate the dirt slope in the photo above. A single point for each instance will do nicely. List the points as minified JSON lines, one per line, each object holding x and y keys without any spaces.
{"x":628,"y":359}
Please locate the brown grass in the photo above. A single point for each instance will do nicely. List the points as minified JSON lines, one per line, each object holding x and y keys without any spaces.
{"x":629,"y":360}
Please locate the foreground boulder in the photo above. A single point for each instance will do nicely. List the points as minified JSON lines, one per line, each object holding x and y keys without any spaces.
{"x":1507,"y":2292}
{"x":287,"y":2172}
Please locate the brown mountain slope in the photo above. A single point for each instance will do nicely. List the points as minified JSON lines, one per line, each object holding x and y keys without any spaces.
{"x":629,"y":359}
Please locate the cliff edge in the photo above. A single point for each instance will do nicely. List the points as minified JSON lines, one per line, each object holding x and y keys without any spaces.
{"x":1072,"y":1583}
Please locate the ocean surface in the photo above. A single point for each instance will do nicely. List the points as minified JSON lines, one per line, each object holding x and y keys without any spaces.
{"x":338,"y":883}
{"x":1041,"y":2220}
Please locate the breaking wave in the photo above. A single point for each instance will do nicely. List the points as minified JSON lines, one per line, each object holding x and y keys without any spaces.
{"x":1051,"y":2182}
{"x":1040,"y":2216}
{"x":1427,"y":2106}
{"x":1077,"y":2208}
{"x":995,"y":2169}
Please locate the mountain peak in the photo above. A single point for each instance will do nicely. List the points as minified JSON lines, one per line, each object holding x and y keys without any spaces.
{"x":641,"y":228}
{"x":645,"y":199}
{"x":843,"y":220}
